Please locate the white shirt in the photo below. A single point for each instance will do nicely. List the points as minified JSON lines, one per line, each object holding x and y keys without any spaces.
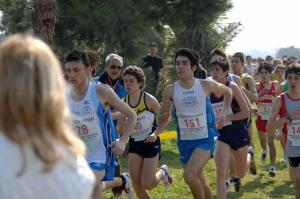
{"x":190,"y":105}
{"x":70,"y":177}
{"x":86,"y":124}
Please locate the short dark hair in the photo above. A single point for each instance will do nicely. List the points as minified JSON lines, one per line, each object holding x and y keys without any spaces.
{"x":192,"y":55}
{"x":239,"y":55}
{"x":292,"y":68}
{"x":153,"y":44}
{"x":224,"y":65}
{"x":218,"y":51}
{"x":269,"y":57}
{"x":76,"y":56}
{"x":266,"y":66}
{"x":137,"y":72}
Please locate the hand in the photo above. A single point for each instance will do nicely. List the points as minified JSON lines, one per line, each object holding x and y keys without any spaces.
{"x":151,"y":138}
{"x":118,"y":147}
{"x":220,"y":122}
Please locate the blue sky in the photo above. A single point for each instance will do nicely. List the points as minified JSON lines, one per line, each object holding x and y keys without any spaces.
{"x":266,"y":25}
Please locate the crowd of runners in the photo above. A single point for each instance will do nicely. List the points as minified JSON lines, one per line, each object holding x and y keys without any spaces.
{"x":213,"y":116}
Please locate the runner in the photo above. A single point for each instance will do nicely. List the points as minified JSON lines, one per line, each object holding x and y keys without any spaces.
{"x":194,"y":118}
{"x":287,"y":107}
{"x":248,"y":88}
{"x":91,"y":119}
{"x":219,"y":55}
{"x":266,"y":95}
{"x":144,"y":143}
{"x":234,"y":138}
{"x":283,"y":87}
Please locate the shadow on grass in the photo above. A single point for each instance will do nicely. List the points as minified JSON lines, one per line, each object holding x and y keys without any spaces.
{"x":266,"y":186}
{"x":283,"y":189}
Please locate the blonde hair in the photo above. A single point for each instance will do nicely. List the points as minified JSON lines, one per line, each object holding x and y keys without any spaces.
{"x":32,"y":99}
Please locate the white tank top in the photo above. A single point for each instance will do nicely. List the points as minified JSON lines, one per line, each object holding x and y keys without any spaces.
{"x":86,"y":124}
{"x":190,"y":107}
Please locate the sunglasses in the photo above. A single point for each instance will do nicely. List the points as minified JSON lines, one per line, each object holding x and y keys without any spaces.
{"x":116,"y":67}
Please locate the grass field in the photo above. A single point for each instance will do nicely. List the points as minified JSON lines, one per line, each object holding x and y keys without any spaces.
{"x":260,"y":186}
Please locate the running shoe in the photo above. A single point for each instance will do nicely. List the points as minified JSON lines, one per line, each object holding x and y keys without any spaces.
{"x":272,"y":171}
{"x":167,"y":178}
{"x":252,"y":167}
{"x":237,"y":183}
{"x":227,"y":184}
{"x":127,"y":188}
{"x":263,"y":158}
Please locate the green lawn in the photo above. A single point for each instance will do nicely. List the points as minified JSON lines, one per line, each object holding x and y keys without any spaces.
{"x":260,"y":186}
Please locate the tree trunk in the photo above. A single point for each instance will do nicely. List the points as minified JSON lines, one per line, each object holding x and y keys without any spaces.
{"x":43,"y":19}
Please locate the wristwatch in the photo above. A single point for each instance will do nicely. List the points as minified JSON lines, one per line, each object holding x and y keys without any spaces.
{"x":288,"y":117}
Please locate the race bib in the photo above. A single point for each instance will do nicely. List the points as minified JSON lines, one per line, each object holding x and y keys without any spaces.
{"x":192,"y":126}
{"x":294,"y":132}
{"x":218,"y":109}
{"x":264,"y":110}
{"x":88,"y":130}
{"x":142,"y":128}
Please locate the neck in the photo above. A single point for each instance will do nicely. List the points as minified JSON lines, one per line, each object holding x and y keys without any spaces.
{"x":81,"y":90}
{"x":238,"y":73}
{"x":223,"y":81}
{"x":265,"y":82}
{"x":187,"y":83}
{"x":134,"y":97}
{"x":112,"y":81}
{"x":294,"y":93}
{"x":135,"y":94}
{"x":280,"y":81}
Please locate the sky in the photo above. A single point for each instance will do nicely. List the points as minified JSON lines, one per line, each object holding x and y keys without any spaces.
{"x":266,"y":26}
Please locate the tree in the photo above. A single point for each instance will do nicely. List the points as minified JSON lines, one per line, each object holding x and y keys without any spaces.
{"x":43,"y":19}
{"x":127,"y":27}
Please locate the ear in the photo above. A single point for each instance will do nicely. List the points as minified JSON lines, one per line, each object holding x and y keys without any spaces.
{"x":194,"y":68}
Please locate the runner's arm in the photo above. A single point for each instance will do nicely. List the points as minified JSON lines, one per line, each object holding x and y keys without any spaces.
{"x":166,"y":106}
{"x":243,"y":113}
{"x":211,"y":86}
{"x":251,"y":93}
{"x":155,"y":107}
{"x":237,"y":80}
{"x":273,"y":122}
{"x":108,"y":97}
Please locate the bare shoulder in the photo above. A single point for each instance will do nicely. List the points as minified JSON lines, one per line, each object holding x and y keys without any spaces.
{"x":207,"y":81}
{"x":249,"y":79}
{"x":236,"y":79}
{"x":150,"y":98}
{"x":103,"y":90}
{"x":169,"y":89}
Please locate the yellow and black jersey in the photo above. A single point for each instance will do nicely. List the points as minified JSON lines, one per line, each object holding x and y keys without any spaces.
{"x":146,"y":123}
